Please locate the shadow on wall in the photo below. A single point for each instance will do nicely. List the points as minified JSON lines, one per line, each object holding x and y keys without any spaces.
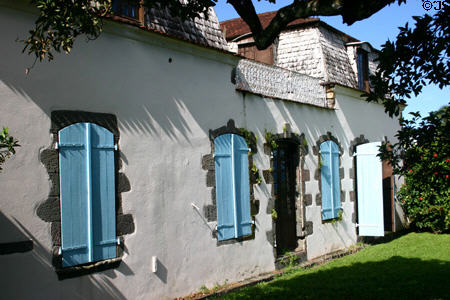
{"x":148,"y":94}
{"x":395,"y":278}
{"x":30,"y":274}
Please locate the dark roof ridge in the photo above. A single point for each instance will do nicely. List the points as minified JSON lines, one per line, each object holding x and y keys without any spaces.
{"x":238,"y":18}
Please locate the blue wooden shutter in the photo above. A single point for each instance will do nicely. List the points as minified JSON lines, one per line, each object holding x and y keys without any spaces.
{"x":330,"y":181}
{"x":224,"y":187}
{"x":87,"y":190}
{"x":370,"y":190}
{"x":103,"y":193}
{"x":243,"y":220}
{"x":326,"y":181}
{"x":336,"y":179}
{"x":74,"y":193}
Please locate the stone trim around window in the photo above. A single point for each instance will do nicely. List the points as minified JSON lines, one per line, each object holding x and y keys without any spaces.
{"x":210,"y":210}
{"x":49,"y":210}
{"x":317,"y":175}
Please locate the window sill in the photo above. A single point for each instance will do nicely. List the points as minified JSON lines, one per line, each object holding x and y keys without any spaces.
{"x":89,"y":268}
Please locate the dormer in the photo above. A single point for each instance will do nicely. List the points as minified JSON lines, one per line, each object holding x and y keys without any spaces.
{"x":362,"y":56}
{"x":310,"y":47}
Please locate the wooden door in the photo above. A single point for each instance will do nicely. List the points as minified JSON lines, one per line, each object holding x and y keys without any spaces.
{"x":285,"y":162}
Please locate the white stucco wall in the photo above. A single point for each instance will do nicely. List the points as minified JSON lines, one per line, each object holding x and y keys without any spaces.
{"x":351,"y":118}
{"x":165,"y":111}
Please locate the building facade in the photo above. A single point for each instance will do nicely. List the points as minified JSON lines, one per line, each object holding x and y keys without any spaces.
{"x":152,"y":164}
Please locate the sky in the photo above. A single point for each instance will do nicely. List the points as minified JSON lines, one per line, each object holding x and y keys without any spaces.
{"x":376,"y":30}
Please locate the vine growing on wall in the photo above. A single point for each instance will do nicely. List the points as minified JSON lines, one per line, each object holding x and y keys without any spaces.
{"x":251,"y":139}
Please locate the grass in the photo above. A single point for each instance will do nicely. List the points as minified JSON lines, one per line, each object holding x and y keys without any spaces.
{"x":414,"y":266}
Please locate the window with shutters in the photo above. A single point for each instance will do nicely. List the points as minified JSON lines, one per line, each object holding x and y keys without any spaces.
{"x":232,"y":187}
{"x":87,"y":193}
{"x":330,"y":180}
{"x":363,"y":70}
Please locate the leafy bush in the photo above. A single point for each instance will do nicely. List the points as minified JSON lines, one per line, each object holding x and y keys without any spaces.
{"x":7,"y":145}
{"x":422,"y":157}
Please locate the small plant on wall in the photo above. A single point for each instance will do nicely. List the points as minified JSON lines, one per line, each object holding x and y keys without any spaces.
{"x":7,"y":145}
{"x":270,"y":139}
{"x":274,"y":214}
{"x":339,"y":217}
{"x":251,"y":139}
{"x":255,"y":174}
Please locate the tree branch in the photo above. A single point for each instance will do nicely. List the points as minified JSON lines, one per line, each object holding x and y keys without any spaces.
{"x":351,"y":11}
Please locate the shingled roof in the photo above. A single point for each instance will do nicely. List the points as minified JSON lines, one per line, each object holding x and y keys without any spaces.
{"x":203,"y":31}
{"x":307,"y":46}
{"x":236,"y":27}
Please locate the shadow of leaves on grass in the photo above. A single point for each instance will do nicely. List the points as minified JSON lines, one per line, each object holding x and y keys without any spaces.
{"x":396,"y":278}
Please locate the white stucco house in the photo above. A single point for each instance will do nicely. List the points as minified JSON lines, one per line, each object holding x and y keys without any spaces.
{"x":155,"y":160}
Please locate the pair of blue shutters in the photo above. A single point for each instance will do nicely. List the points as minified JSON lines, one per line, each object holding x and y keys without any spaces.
{"x":87,"y":191}
{"x":232,"y":187}
{"x":330,"y":180}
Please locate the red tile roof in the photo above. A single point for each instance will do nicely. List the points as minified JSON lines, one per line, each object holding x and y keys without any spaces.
{"x":237,"y":27}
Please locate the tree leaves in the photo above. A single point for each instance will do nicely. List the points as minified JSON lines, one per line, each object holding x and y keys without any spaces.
{"x":419,"y":56}
{"x":60,"y":22}
{"x":422,"y":157}
{"x":7,"y":145}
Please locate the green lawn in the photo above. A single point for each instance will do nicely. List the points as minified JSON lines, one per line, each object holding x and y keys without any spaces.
{"x":414,"y":266}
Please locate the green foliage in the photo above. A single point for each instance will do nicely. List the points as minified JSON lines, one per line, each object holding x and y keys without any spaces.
{"x":356,"y":247}
{"x":414,"y":266}
{"x":61,"y":21}
{"x":255,"y":173}
{"x":339,"y":217}
{"x":270,"y":139}
{"x":7,"y":145}
{"x":419,"y":56}
{"x":204,"y":290}
{"x":274,"y":214}
{"x":288,"y":260}
{"x":319,"y":165}
{"x":250,"y":139}
{"x":422,"y":157}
